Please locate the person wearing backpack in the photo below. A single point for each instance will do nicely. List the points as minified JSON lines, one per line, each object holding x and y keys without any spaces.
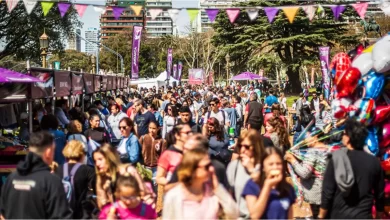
{"x":79,"y":180}
{"x":128,"y":204}
{"x":215,"y":112}
{"x":253,"y":114}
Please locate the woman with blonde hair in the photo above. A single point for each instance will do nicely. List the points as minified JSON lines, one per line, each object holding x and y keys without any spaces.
{"x":81,"y":176}
{"x":199,"y":195}
{"x":107,"y":168}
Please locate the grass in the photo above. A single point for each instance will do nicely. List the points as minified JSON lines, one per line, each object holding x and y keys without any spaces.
{"x":290,"y":99}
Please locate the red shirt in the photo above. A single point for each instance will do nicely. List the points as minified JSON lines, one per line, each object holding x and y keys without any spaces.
{"x":169,"y":160}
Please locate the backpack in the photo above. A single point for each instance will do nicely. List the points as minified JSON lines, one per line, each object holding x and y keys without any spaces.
{"x":223,"y":115}
{"x":68,"y":181}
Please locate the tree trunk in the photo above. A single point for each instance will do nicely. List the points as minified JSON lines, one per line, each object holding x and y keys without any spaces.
{"x":294,"y":82}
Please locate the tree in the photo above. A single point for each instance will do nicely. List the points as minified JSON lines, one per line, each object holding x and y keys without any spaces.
{"x":295,"y":44}
{"x":73,"y":59}
{"x":20,"y":32}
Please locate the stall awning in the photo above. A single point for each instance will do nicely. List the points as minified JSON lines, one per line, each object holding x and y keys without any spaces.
{"x":9,"y":76}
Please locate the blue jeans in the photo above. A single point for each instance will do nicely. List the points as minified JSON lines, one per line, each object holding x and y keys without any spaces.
{"x":154,"y":174}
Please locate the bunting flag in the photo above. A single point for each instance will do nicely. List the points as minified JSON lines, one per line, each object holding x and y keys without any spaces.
{"x":192,"y":13}
{"x":99,"y":9}
{"x":271,"y":13}
{"x":173,"y":13}
{"x":252,"y":13}
{"x":232,"y":14}
{"x":46,"y":6}
{"x":154,"y":12}
{"x":337,"y":10}
{"x":63,"y":8}
{"x":117,"y":12}
{"x":310,"y":11}
{"x":80,"y":9}
{"x":30,"y":5}
{"x":320,"y":11}
{"x":212,"y":14}
{"x":137,"y":9}
{"x":361,"y":9}
{"x":11,"y":4}
{"x":290,"y":13}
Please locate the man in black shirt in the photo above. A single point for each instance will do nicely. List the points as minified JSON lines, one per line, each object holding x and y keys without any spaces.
{"x":143,"y":118}
{"x":352,"y":199}
{"x":200,"y":141}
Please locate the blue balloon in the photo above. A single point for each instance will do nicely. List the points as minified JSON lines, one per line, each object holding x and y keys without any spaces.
{"x":374,"y":85}
{"x":372,"y":142}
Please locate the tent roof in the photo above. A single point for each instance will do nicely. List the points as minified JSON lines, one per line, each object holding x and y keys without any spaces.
{"x":163,"y":77}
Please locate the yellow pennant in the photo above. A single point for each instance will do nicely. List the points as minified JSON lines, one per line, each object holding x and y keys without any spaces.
{"x":46,"y":6}
{"x":290,"y":13}
{"x":137,"y":9}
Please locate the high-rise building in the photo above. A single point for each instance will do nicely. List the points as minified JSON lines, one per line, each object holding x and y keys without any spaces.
{"x":74,"y":41}
{"x":162,"y":25}
{"x":109,"y":26}
{"x":91,"y":35}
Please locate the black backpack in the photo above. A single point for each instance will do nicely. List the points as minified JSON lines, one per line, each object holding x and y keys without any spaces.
{"x":68,"y":182}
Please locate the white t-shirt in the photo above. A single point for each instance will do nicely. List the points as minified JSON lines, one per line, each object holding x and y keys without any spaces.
{"x":122,"y":147}
{"x":218,"y":116}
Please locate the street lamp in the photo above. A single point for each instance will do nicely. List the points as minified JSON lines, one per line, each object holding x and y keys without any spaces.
{"x":44,"y":43}
{"x":93,"y":60}
{"x":227,"y":58}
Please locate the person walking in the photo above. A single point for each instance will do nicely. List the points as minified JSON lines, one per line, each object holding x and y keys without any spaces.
{"x":95,"y":132}
{"x":142,"y":118}
{"x":50,"y":123}
{"x":253,"y":118}
{"x":218,"y":141}
{"x":113,"y":121}
{"x":353,"y":179}
{"x":129,"y":148}
{"x":170,"y":120}
{"x":270,"y":100}
{"x":32,"y":192}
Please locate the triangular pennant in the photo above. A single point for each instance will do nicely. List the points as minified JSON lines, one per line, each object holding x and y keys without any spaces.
{"x":11,"y":4}
{"x":173,"y":13}
{"x":310,"y":11}
{"x":212,"y":14}
{"x":154,"y":12}
{"x":46,"y":6}
{"x":290,"y":13}
{"x":337,"y":10}
{"x":30,"y":5}
{"x":252,"y":13}
{"x":63,"y":8}
{"x":321,"y":11}
{"x":117,"y":11}
{"x":271,"y":13}
{"x":99,"y":9}
{"x":137,"y":9}
{"x":232,"y":14}
{"x":80,"y":9}
{"x":361,"y":9}
{"x":192,"y":13}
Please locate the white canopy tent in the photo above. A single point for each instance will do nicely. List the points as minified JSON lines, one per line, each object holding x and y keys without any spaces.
{"x":163,"y":77}
{"x":157,"y":82}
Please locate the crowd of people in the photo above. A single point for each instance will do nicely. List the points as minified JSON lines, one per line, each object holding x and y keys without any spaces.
{"x":193,"y":152}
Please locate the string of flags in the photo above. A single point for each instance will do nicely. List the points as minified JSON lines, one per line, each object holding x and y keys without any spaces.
{"x":232,"y":13}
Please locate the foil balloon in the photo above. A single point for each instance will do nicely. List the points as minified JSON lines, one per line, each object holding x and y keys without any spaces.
{"x":381,"y":114}
{"x":355,"y":52}
{"x":364,"y":110}
{"x":363,"y":62}
{"x":340,"y":107}
{"x":372,"y":142}
{"x":347,"y":81}
{"x":384,"y":137}
{"x":381,"y":55}
{"x":368,"y":49}
{"x":373,"y":85}
{"x":339,"y":64}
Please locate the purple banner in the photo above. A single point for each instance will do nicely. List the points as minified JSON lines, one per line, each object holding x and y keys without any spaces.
{"x":179,"y":70}
{"x":169,"y":63}
{"x":174,"y":72}
{"x":137,"y":32}
{"x":324,"y":59}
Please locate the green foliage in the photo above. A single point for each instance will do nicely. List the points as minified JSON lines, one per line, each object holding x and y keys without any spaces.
{"x":20,"y":32}
{"x":73,"y":59}
{"x":259,"y":44}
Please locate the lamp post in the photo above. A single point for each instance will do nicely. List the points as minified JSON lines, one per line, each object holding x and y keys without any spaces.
{"x":227,"y":58}
{"x":44,"y":43}
{"x":93,"y":60}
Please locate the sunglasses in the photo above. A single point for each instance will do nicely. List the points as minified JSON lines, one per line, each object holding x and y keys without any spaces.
{"x":247,"y":147}
{"x":123,"y":127}
{"x":212,"y":104}
{"x":128,"y":198}
{"x":207,"y":166}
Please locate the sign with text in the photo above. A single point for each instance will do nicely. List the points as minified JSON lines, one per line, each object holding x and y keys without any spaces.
{"x":62,"y":83}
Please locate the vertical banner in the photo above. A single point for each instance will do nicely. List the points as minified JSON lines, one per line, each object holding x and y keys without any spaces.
{"x":137,"y":32}
{"x":174,"y":72}
{"x":312,"y":76}
{"x":179,"y":70}
{"x":324,"y":59}
{"x":169,"y":63}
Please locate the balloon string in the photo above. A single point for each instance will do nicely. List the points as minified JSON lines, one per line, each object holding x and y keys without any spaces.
{"x":302,"y":143}
{"x":302,"y":134}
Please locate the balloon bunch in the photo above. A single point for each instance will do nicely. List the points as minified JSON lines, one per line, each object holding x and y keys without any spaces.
{"x":362,"y":91}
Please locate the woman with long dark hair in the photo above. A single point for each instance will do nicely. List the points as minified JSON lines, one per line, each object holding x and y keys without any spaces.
{"x":95,"y":132}
{"x":218,"y":140}
{"x":276,"y":131}
{"x":268,"y":195}
{"x":129,"y":147}
{"x":170,"y":120}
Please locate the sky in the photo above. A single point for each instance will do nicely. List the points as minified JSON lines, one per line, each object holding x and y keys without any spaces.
{"x":91,"y":18}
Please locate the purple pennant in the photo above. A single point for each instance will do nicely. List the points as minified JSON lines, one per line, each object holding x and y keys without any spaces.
{"x":63,"y":7}
{"x":212,"y":14}
{"x":271,"y":13}
{"x":337,"y":10}
{"x":117,"y":11}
